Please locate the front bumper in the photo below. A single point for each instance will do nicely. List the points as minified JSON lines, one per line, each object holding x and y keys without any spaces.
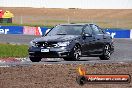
{"x":53,"y":52}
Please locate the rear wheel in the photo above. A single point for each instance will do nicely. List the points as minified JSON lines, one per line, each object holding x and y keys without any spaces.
{"x":75,"y":54}
{"x":107,"y":53}
{"x":35,"y":59}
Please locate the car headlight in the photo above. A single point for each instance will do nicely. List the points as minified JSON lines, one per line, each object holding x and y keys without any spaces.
{"x":62,"y":44}
{"x":32,"y":44}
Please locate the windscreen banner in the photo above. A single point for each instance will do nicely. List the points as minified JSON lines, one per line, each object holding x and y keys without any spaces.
{"x":11,"y":29}
{"x":118,"y":33}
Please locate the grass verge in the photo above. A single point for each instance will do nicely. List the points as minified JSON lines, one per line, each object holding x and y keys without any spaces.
{"x":125,"y":25}
{"x":32,"y":25}
{"x":8,"y":50}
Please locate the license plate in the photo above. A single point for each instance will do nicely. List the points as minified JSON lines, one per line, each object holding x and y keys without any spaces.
{"x":44,"y":50}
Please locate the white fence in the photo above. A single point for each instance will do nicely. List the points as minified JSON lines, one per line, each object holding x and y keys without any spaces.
{"x":85,"y":4}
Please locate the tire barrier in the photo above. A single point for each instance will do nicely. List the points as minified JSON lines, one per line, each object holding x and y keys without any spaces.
{"x":6,"y":17}
{"x":25,"y":30}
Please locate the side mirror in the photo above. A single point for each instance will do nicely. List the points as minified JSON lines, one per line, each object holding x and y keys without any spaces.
{"x":104,"y":31}
{"x":86,"y":35}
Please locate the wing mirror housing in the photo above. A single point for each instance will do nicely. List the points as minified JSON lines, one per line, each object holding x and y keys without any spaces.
{"x":86,"y":35}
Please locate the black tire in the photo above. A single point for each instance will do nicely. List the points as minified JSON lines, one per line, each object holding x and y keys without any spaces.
{"x":35,"y":59}
{"x":75,"y":54}
{"x":106,"y":53}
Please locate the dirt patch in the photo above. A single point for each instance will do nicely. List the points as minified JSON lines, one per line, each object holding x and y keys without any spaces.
{"x":74,"y":13}
{"x":59,"y":76}
{"x":9,"y":60}
{"x":44,"y":16}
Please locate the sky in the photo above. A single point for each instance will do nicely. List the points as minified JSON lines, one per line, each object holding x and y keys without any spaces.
{"x":85,"y":4}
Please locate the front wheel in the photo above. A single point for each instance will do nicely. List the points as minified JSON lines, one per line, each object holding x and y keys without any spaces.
{"x":35,"y":59}
{"x":75,"y":54}
{"x":107,"y":53}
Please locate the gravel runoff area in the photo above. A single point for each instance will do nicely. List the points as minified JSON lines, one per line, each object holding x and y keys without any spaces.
{"x":59,"y":75}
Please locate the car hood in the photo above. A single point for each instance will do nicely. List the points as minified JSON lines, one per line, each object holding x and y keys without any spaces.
{"x":57,"y":38}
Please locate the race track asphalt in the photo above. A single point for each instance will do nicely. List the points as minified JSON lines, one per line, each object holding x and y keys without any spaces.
{"x":122,"y":54}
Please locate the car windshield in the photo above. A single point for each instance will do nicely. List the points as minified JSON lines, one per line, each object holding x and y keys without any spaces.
{"x":66,"y":30}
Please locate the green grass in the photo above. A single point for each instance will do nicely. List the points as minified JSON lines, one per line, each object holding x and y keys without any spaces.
{"x":8,"y":50}
{"x":101,"y":24}
{"x":54,"y":21}
{"x":32,"y":25}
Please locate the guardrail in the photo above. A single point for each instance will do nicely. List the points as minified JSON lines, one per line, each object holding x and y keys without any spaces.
{"x":119,"y":32}
{"x":27,"y":30}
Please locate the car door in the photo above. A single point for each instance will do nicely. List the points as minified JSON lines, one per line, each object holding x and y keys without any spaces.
{"x":88,"y":41}
{"x":99,"y":39}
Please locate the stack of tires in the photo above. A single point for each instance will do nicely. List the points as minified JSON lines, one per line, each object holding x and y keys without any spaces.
{"x":6,"y":17}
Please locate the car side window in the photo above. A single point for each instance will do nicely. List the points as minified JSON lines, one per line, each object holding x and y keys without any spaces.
{"x":96,"y":29}
{"x":88,"y":30}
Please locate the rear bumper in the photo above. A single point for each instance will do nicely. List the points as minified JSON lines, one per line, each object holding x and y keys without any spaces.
{"x":53,"y":53}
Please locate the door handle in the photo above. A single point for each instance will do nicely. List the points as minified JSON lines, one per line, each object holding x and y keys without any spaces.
{"x":98,"y":39}
{"x":104,"y":38}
